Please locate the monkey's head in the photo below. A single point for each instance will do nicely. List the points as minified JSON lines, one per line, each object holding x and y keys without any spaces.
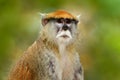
{"x":60,"y":27}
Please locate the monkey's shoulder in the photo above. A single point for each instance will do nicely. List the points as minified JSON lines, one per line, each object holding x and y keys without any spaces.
{"x":42,"y":65}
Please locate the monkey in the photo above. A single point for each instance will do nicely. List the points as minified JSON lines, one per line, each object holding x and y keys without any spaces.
{"x":53,"y":55}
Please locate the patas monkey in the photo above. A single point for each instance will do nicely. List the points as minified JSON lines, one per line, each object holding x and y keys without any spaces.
{"x":53,"y":55}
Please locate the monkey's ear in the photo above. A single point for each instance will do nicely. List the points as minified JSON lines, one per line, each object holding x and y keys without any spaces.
{"x":78,"y":18}
{"x":44,"y":21}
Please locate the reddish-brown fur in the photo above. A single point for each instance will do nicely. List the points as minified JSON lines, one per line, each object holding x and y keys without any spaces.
{"x":60,"y":14}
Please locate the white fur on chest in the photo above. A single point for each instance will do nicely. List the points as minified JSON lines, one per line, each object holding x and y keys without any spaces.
{"x":63,"y":66}
{"x":67,"y":68}
{"x":67,"y":65}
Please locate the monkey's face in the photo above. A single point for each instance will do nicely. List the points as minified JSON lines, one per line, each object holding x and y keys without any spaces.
{"x":62,"y":30}
{"x":60,"y":27}
{"x":65,"y":30}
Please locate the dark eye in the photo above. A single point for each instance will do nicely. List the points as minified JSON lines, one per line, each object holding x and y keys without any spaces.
{"x":59,"y":21}
{"x":68,"y":21}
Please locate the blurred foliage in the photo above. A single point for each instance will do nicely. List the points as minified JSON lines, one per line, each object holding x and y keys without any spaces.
{"x":100,"y":29}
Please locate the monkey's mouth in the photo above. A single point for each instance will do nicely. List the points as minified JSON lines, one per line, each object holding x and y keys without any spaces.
{"x":65,"y":36}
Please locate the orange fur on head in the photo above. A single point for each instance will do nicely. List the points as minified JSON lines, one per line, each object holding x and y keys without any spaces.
{"x":60,"y":14}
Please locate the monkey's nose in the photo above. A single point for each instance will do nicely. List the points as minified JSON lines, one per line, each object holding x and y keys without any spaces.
{"x":65,"y":27}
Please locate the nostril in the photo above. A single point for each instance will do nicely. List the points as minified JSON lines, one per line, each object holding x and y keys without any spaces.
{"x":65,"y":27}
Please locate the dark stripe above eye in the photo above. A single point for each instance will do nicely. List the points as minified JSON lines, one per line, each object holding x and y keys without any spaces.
{"x":59,"y":20}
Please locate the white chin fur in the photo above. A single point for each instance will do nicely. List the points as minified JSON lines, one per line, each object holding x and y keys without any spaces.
{"x":63,"y":40}
{"x":61,"y":33}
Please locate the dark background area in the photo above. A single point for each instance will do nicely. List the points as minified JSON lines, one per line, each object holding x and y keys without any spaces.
{"x":99,"y":46}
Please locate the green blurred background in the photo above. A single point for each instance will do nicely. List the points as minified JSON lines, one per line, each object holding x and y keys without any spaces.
{"x":99,"y":46}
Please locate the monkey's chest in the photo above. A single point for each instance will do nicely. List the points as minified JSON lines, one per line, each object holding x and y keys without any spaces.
{"x":67,"y":68}
{"x":59,"y":68}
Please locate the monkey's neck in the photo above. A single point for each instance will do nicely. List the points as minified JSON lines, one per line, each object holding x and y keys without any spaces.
{"x":62,"y":49}
{"x":59,"y":50}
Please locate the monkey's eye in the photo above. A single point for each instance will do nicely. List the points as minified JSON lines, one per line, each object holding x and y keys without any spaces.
{"x":68,"y":21}
{"x":59,"y":21}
